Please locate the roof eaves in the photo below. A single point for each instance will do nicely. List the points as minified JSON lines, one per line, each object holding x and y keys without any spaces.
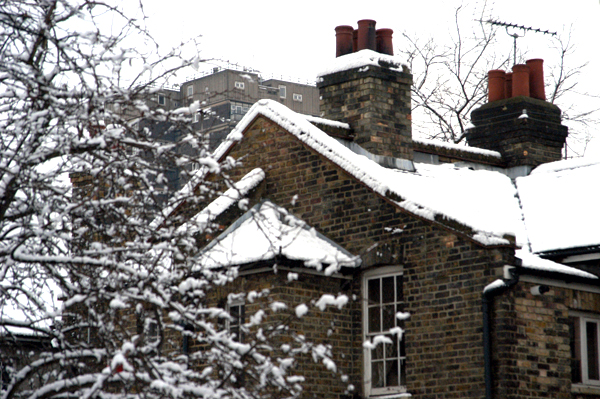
{"x":463,"y":153}
{"x":557,"y":275}
{"x":533,"y":264}
{"x":574,"y":251}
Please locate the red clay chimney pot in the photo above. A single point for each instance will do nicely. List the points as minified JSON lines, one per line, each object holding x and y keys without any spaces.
{"x":508,"y":85}
{"x":520,"y":81}
{"x":367,"y":38}
{"x":536,"y":79}
{"x":384,"y":41}
{"x":496,"y":85}
{"x":343,"y":40}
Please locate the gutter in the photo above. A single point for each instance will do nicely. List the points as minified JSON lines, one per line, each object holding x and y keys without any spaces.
{"x":487,"y":298}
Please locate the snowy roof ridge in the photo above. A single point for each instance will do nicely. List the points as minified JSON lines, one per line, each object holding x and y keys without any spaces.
{"x":223,"y":202}
{"x":366,"y":171}
{"x":362,"y":59}
{"x":328,"y":122}
{"x":311,"y":135}
{"x":267,"y":231}
{"x":457,"y":147}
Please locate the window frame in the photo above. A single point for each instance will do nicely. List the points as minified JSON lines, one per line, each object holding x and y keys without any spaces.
{"x":152,"y":332}
{"x":161,"y":99}
{"x":237,"y":324}
{"x":190,"y":90}
{"x":297,"y":97}
{"x":238,"y":110}
{"x":239,"y":85}
{"x":370,"y":391}
{"x":282,"y":91}
{"x":581,"y":347}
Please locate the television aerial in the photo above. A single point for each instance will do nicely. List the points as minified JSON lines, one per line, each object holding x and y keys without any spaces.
{"x":514,"y":33}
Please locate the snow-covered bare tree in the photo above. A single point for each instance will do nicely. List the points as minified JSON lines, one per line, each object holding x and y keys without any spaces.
{"x":89,"y":264}
{"x":450,"y":78}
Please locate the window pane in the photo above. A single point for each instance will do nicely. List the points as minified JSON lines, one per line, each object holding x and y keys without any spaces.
{"x":237,"y":320}
{"x":152,"y":331}
{"x":592,"y":350}
{"x":383,"y":299}
{"x":377,"y":374}
{"x":377,"y":353}
{"x":392,"y":377}
{"x":575,"y":344}
{"x":402,"y":371}
{"x":402,"y":349}
{"x":399,"y":293}
{"x":374,"y":320}
{"x":388,"y":289}
{"x":391,"y":350}
{"x":389,"y":317}
{"x":374,"y":291}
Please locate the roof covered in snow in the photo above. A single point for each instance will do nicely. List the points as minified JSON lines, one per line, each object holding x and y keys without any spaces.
{"x":268,"y":231}
{"x":534,"y":262}
{"x":561,"y":205}
{"x":555,"y":207}
{"x":483,"y":201}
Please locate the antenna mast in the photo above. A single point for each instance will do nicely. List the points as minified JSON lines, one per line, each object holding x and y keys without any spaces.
{"x":515,"y":36}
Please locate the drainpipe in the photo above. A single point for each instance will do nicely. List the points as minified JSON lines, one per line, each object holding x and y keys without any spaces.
{"x":487,"y":298}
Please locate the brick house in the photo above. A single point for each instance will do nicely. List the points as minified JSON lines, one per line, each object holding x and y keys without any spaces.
{"x":18,"y":349}
{"x":487,"y":247}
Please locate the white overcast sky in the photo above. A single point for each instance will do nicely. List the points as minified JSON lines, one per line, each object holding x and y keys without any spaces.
{"x":296,"y":38}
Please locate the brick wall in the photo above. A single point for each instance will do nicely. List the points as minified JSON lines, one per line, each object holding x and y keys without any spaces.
{"x":532,"y":353}
{"x":536,"y":139}
{"x":331,"y":327}
{"x":375,"y":101}
{"x":445,"y":279}
{"x":18,"y":351}
{"x":445,"y":273}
